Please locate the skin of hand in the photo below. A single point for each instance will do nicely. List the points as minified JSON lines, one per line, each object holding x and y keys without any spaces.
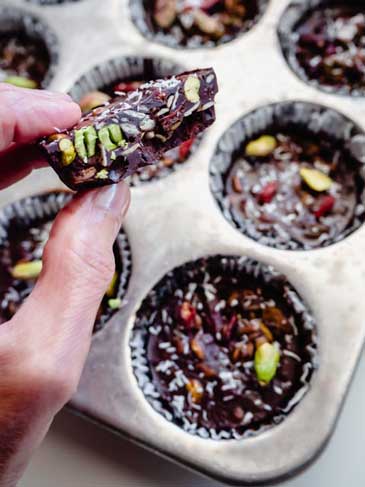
{"x":44,"y":347}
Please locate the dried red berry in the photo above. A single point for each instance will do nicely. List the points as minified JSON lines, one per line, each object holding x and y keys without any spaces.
{"x":229,"y":327}
{"x":184,"y":149}
{"x":326,"y":205}
{"x":126,"y":87}
{"x":268,"y":192}
{"x":188,"y":314}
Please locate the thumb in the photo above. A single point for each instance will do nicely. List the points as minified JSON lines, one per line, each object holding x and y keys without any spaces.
{"x":57,"y":319}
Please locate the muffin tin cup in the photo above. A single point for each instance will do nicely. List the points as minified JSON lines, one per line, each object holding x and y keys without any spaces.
{"x":144,"y":25}
{"x":46,"y":206}
{"x":14,"y":19}
{"x":291,"y":18}
{"x":265,"y":277}
{"x":177,"y":221}
{"x":316,"y":119}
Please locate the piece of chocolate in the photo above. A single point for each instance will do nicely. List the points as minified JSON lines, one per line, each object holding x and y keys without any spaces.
{"x":228,"y":346}
{"x":21,"y":249}
{"x":295,"y":186}
{"x":114,"y":141}
{"x":195,"y":23}
{"x":168,"y":160}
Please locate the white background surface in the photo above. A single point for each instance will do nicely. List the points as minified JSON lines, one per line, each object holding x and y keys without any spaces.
{"x":78,"y":454}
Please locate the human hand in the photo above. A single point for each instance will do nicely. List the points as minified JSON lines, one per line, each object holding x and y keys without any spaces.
{"x":44,"y":347}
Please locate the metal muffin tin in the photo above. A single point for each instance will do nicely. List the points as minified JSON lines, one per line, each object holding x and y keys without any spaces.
{"x":176,"y":219}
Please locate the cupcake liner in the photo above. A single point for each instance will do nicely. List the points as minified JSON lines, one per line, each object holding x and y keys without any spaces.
{"x":265,"y":277}
{"x":143,"y":23}
{"x":13,"y":19}
{"x":291,"y":18}
{"x":291,"y":115}
{"x":130,"y":69}
{"x":45,"y":207}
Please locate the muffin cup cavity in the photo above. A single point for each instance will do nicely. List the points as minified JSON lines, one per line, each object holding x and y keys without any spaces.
{"x":24,"y":215}
{"x":26,"y":26}
{"x":195,"y":342}
{"x":330,"y":131}
{"x":197,"y":28}
{"x":326,"y":60}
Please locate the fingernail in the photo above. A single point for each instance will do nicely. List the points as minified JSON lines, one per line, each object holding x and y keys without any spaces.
{"x":114,"y":198}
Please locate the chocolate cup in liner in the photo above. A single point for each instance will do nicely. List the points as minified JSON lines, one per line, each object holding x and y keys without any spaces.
{"x":44,"y":208}
{"x":17,"y":20}
{"x":127,"y":69}
{"x":142,"y":21}
{"x":241,"y":267}
{"x":292,"y":115}
{"x":294,"y":14}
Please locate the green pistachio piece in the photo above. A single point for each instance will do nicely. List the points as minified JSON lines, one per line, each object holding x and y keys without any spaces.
{"x":103,"y":174}
{"x":112,"y":286}
{"x":68,"y":151}
{"x":90,"y":137}
{"x":267,"y":359}
{"x":80,"y":144}
{"x":316,"y":180}
{"x":261,"y":147}
{"x":191,"y":89}
{"x":115,"y":303}
{"x":27,"y":270}
{"x":105,"y":139}
{"x":115,"y":133}
{"x":21,"y":82}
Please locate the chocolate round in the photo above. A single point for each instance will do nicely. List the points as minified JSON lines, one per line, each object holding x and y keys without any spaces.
{"x":268,"y":180}
{"x":193,"y":24}
{"x":126,"y":74}
{"x":195,"y":347}
{"x":24,"y":232}
{"x":324,"y":44}
{"x":28,"y":49}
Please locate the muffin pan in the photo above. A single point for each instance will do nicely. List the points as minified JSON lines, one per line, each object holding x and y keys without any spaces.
{"x":176,"y":220}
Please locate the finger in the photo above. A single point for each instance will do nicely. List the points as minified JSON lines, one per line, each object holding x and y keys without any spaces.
{"x":18,"y":162}
{"x":56,"y":321}
{"x":26,"y":115}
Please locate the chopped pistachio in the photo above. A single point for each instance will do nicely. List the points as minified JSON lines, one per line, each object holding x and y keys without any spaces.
{"x":103,"y":174}
{"x":316,"y":180}
{"x":80,"y":144}
{"x":90,"y":138}
{"x":267,"y":359}
{"x":68,"y":151}
{"x":115,"y":303}
{"x":105,"y":139}
{"x":261,"y":147}
{"x":112,"y":286}
{"x":27,"y":270}
{"x":115,"y":133}
{"x":21,"y":82}
{"x":191,"y":89}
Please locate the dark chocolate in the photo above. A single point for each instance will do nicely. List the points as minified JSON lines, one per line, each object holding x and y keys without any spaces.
{"x":114,"y":141}
{"x":200,"y":329}
{"x":270,"y":193}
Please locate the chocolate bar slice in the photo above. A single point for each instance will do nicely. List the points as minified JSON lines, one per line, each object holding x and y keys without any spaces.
{"x":113,"y":141}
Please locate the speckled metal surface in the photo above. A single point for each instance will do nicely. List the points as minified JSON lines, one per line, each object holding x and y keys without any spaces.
{"x":176,"y":219}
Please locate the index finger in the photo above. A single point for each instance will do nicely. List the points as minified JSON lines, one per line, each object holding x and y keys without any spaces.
{"x":26,"y":115}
